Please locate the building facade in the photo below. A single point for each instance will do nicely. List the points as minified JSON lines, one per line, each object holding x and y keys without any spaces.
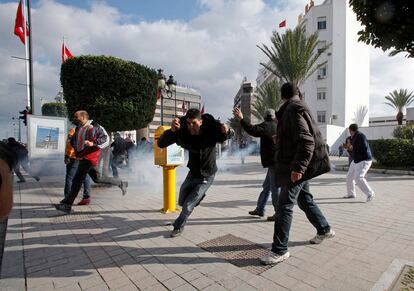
{"x":338,"y":92}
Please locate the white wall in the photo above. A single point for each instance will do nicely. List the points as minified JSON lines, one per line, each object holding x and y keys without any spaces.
{"x":410,"y":114}
{"x":378,"y":132}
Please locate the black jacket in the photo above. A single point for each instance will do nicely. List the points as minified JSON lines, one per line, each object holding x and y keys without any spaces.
{"x":267,"y":133}
{"x":201,"y":148}
{"x":361,"y":150}
{"x":300,"y":146}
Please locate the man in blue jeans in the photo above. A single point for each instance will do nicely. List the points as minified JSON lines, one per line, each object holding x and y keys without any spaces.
{"x":301,"y":156}
{"x":198,"y":134}
{"x":267,"y":133}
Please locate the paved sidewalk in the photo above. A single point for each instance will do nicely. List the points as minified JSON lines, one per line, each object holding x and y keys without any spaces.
{"x":122,"y":243}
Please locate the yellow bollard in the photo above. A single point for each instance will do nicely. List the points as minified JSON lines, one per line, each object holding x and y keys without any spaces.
{"x":169,"y":189}
{"x":168,"y":158}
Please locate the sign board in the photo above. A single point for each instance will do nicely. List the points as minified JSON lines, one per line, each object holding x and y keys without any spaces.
{"x":46,"y":137}
{"x":172,"y":155}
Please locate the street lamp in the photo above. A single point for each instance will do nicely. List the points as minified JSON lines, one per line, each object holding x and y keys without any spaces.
{"x":167,"y":90}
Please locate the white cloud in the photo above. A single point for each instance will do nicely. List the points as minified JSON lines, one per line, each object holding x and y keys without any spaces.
{"x":213,"y":51}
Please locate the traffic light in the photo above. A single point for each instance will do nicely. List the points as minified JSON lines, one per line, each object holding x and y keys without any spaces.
{"x":23,"y":116}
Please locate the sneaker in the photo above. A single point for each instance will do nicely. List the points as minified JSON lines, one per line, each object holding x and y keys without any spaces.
{"x":63,"y":207}
{"x":370,"y":197}
{"x":348,"y":196}
{"x":319,"y":238}
{"x":255,"y":212}
{"x":272,"y":258}
{"x":272,"y":218}
{"x":123,"y":186}
{"x":36,"y":178}
{"x":85,"y":201}
{"x":177,"y":231}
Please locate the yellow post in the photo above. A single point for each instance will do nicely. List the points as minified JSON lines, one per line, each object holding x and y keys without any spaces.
{"x":169,"y":189}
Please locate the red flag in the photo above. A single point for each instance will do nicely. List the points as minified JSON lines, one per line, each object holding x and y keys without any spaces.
{"x":184,"y":107}
{"x":282,"y":24}
{"x":202,"y":110}
{"x":19,"y":24}
{"x":66,"y":54}
{"x":158,"y":94}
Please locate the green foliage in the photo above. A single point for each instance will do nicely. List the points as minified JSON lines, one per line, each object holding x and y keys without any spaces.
{"x":268,"y":98}
{"x":393,"y":152}
{"x":55,"y":109}
{"x":293,"y":55}
{"x":404,"y":132}
{"x":120,"y":95}
{"x":387,"y":24}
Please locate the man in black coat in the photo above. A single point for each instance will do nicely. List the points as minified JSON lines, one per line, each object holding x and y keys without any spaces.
{"x":22,"y":159}
{"x":301,"y":156}
{"x":198,"y":134}
{"x":267,"y":133}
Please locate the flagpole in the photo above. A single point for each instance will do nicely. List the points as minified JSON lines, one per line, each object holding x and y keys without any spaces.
{"x":26,"y":56}
{"x":30,"y":59}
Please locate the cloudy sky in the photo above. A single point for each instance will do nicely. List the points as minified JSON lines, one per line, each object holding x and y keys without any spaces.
{"x":209,"y":44}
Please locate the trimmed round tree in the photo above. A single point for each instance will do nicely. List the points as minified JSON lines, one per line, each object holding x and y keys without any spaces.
{"x":54,"y":109}
{"x":120,"y":95}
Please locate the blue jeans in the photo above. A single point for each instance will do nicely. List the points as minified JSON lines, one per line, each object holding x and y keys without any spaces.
{"x":269,"y":185}
{"x":192,"y":191}
{"x":70,"y":173}
{"x":287,"y":198}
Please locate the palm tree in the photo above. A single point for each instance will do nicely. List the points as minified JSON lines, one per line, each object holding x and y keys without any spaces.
{"x":293,"y":56}
{"x":398,"y":100}
{"x":268,"y":98}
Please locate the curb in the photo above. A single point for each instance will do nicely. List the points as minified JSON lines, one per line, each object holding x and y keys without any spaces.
{"x":379,"y":171}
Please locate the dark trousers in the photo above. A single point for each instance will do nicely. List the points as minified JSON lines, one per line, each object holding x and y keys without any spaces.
{"x":117,"y":160}
{"x":71,"y":168}
{"x":24,"y":163}
{"x":269,"y":186}
{"x":86,"y":168}
{"x":192,"y":191}
{"x":287,"y":198}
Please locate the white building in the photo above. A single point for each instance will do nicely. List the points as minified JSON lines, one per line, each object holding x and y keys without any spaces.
{"x":338,"y":92}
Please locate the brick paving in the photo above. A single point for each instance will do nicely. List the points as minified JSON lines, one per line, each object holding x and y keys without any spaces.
{"x":123,"y":243}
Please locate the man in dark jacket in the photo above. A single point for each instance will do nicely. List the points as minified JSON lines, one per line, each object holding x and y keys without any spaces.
{"x":22,"y":159}
{"x":119,"y":153}
{"x":361,"y":162}
{"x":267,"y":133}
{"x":301,"y":155}
{"x":88,"y":140}
{"x":198,"y":134}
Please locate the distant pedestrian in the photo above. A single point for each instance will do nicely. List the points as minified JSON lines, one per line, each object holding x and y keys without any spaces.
{"x":88,"y":141}
{"x":266,"y":130}
{"x":301,"y":156}
{"x":8,"y":159}
{"x":22,"y":159}
{"x":119,"y":154}
{"x":340,"y":151}
{"x":361,"y":162}
{"x":72,"y":164}
{"x":199,"y":134}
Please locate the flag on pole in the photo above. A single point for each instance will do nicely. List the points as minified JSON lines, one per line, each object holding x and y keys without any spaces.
{"x":202,"y":110}
{"x":282,"y":24}
{"x":184,"y":107}
{"x":19,"y":24}
{"x":66,"y":54}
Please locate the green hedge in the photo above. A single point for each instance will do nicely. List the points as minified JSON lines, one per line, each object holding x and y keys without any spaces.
{"x":54,"y":109}
{"x":404,"y":132}
{"x":393,"y":152}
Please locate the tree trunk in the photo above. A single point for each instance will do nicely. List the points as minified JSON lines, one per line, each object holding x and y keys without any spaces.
{"x":400,"y":116}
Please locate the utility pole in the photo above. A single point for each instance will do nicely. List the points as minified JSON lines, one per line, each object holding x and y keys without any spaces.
{"x":30,"y":59}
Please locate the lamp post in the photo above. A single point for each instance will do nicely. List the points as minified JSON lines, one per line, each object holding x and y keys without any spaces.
{"x":167,"y":90}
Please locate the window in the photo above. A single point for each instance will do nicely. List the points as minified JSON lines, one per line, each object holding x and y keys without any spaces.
{"x":321,"y":45}
{"x":322,"y":72}
{"x":321,"y":116}
{"x":321,"y":94}
{"x":321,"y":23}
